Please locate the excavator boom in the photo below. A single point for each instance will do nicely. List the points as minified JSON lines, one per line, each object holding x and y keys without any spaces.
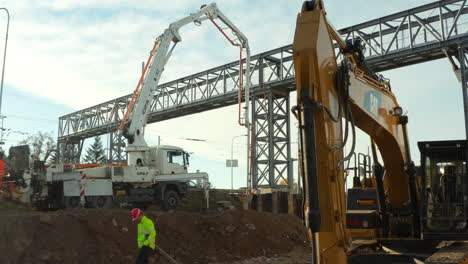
{"x":315,"y":65}
{"x":332,"y":100}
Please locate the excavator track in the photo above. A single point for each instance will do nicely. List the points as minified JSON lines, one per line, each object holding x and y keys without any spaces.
{"x":454,"y":253}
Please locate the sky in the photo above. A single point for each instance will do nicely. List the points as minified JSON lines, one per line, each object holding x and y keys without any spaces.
{"x":66,"y":55}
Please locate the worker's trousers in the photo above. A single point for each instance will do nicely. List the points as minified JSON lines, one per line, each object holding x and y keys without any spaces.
{"x":144,"y":254}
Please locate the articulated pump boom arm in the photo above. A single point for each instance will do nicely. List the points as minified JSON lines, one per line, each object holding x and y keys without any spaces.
{"x":327,"y":93}
{"x":134,"y":121}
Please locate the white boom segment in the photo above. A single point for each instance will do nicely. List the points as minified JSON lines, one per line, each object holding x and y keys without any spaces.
{"x":134,"y":121}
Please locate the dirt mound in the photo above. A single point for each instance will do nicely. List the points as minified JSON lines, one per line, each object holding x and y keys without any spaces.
{"x":110,"y":237}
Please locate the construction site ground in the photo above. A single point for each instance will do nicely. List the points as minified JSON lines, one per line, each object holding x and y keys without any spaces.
{"x":230,"y":235}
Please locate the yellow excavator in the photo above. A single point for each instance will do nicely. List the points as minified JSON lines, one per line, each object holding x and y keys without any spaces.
{"x":337,"y":93}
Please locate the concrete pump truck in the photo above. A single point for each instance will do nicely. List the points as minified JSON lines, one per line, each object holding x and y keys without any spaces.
{"x":152,"y":174}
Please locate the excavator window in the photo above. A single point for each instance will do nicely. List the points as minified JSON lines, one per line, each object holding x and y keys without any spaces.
{"x":444,"y":204}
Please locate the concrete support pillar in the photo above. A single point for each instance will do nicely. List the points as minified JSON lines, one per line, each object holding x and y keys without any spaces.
{"x":275,"y":202}
{"x":291,"y":204}
{"x":259,"y":203}
{"x":245,"y":203}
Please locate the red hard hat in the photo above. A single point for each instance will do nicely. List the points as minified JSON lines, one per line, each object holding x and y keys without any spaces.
{"x":135,"y":213}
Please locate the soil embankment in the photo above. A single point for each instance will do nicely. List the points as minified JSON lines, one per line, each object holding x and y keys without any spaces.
{"x":90,"y":236}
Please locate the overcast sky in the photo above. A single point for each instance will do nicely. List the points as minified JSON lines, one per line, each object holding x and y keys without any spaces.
{"x":66,"y":55}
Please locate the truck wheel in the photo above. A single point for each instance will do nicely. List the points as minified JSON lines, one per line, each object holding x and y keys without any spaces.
{"x":171,"y":200}
{"x":72,"y":202}
{"x":101,"y":202}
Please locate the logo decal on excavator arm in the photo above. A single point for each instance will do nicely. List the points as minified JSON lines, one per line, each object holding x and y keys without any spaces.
{"x":373,"y":102}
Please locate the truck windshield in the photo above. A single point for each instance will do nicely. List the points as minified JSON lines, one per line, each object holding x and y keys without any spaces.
{"x":175,"y":157}
{"x":187,"y":163}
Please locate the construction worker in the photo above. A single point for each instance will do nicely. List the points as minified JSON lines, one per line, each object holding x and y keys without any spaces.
{"x":146,"y":237}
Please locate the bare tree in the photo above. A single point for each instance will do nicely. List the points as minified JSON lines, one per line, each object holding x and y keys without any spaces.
{"x":54,"y":157}
{"x":41,"y":145}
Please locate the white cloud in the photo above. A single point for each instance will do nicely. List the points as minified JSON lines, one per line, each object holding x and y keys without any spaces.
{"x":63,"y":5}
{"x":81,"y":53}
{"x":98,"y":59}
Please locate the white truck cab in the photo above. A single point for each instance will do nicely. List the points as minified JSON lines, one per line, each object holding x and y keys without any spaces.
{"x":167,"y":159}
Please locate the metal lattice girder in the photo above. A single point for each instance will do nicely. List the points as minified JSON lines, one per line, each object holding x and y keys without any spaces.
{"x":116,"y":148}
{"x":432,"y":27}
{"x":271,"y":166}
{"x":214,"y":88}
{"x":401,"y":39}
{"x":70,"y":152}
{"x":412,"y":36}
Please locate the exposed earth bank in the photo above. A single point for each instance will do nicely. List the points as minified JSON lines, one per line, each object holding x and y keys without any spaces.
{"x":89,"y":236}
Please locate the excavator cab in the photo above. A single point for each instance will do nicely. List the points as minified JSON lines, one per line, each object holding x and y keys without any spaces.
{"x":442,"y":185}
{"x":444,"y":188}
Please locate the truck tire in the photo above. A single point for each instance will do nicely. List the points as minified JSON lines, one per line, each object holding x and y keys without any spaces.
{"x":171,"y":200}
{"x":71,"y":202}
{"x":101,"y":202}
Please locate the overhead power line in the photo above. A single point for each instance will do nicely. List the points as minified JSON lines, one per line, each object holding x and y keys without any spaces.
{"x":32,"y":118}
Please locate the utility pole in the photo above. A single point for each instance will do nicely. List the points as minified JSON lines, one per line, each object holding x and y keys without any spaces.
{"x":3,"y":73}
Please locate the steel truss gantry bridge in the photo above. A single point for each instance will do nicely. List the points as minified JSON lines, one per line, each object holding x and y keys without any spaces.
{"x":417,"y":35}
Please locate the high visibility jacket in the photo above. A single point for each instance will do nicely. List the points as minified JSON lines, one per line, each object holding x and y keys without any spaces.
{"x":146,"y":233}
